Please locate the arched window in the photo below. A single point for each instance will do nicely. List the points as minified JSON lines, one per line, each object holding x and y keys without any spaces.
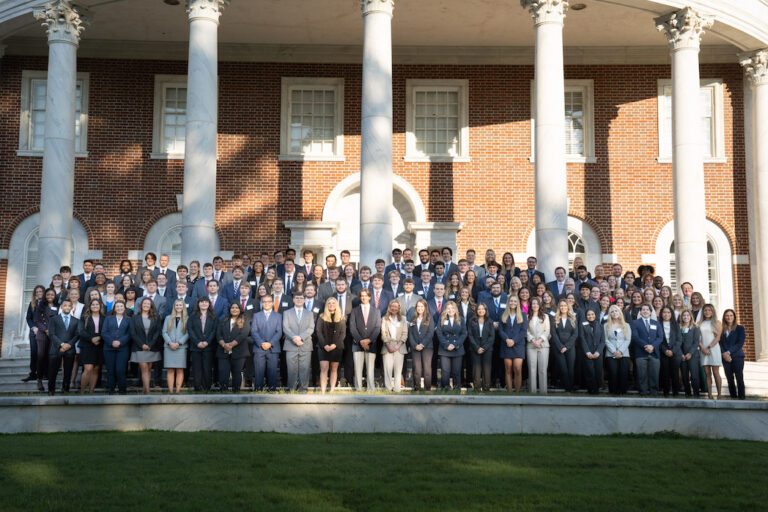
{"x":712,"y":272}
{"x":170,"y":244}
{"x":576,"y":248}
{"x":164,"y":237}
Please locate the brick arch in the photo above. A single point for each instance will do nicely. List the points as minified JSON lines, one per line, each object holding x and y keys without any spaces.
{"x":6,"y":236}
{"x":601,"y":236}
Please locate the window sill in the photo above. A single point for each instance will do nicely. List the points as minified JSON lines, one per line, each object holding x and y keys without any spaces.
{"x":710,"y":160}
{"x":574,"y":159}
{"x":311,"y":158}
{"x":35,"y":153}
{"x":166,"y":156}
{"x":437,"y":159}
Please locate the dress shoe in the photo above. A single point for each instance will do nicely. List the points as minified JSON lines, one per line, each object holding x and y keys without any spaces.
{"x":39,"y":384}
{"x":29,"y":378}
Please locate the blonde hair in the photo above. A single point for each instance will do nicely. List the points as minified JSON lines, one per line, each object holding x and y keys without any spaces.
{"x":570,"y":315}
{"x":444,"y":314}
{"x":326,"y":316}
{"x":620,"y":323}
{"x":518,"y":310}
{"x":183,"y":316}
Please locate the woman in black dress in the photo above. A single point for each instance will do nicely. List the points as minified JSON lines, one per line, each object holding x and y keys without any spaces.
{"x":43,"y":315}
{"x":331,"y":331}
{"x":91,"y":346}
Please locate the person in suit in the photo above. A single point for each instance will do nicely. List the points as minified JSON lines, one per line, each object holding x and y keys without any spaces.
{"x":256,"y":276}
{"x":496,"y":302}
{"x":219,"y":304}
{"x":163,"y":269}
{"x":732,"y":347}
{"x":153,"y":295}
{"x":288,"y":277}
{"x":440,"y":275}
{"x":331,"y":330}
{"x":182,"y":293}
{"x":281,"y":300}
{"x":266,"y":332}
{"x":232,"y":337}
{"x":618,"y":336}
{"x":91,"y":343}
{"x":146,"y":341}
{"x":231,"y":291}
{"x":328,"y":288}
{"x":537,"y":349}
{"x":421,"y":334}
{"x":309,"y":262}
{"x":671,"y":352}
{"x":592,"y":344}
{"x":471,"y":256}
{"x":202,"y":326}
{"x":346,"y":256}
{"x":394,"y":285}
{"x":44,"y":313}
{"x":691,"y":360}
{"x":175,"y":343}
{"x":646,"y":340}
{"x":365,"y":326}
{"x":380,"y":297}
{"x":64,"y":332}
{"x":220,"y":274}
{"x":557,"y":287}
{"x":200,"y":287}
{"x":512,"y":328}
{"x":424,"y":264}
{"x":87,"y":277}
{"x":397,"y":262}
{"x":346,"y":302}
{"x":394,"y":335}
{"x":565,"y":333}
{"x":117,"y":337}
{"x":126,"y":269}
{"x":298,"y":326}
{"x":424,"y":287}
{"x":451,"y":335}
{"x":38,"y":294}
{"x":481,"y":335}
{"x":531,"y":269}
{"x":448,"y":264}
{"x":408,"y":298}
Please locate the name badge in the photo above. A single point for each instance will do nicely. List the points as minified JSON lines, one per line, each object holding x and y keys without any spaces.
{"x":551,"y":313}
{"x":285,"y":304}
{"x":315,"y":310}
{"x":253,"y":283}
{"x":400,"y":294}
{"x":420,"y":292}
{"x":584,"y":323}
{"x":653,"y":327}
{"x":54,"y":308}
{"x":446,"y":322}
{"x":249,"y":306}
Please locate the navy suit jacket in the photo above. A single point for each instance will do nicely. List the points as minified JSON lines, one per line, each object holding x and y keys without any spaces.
{"x":642,"y":337}
{"x":494,"y":312}
{"x":111,"y":332}
{"x":418,"y":289}
{"x":169,"y":274}
{"x":229,"y":292}
{"x":552,"y":285}
{"x":384,"y":299}
{"x":221,"y":307}
{"x":530,"y":274}
{"x":265,"y":330}
{"x":734,"y":342}
{"x":84,"y":285}
{"x":391,"y":267}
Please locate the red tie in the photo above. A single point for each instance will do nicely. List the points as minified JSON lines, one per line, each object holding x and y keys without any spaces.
{"x":439,"y":306}
{"x":243,"y":301}
{"x":152,"y":298}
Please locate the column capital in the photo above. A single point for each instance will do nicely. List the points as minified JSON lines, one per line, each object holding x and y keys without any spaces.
{"x":546,"y":11}
{"x":684,"y":28}
{"x":755,"y":66}
{"x":63,"y":22}
{"x":206,"y":9}
{"x":370,"y":6}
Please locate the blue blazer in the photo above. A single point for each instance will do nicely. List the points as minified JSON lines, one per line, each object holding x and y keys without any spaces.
{"x":418,"y":289}
{"x":228,"y":290}
{"x":642,"y":337}
{"x":111,"y":332}
{"x":265,"y":330}
{"x":221,"y":308}
{"x":385,"y":298}
{"x":454,"y":335}
{"x":493,"y":311}
{"x":734,"y":342}
{"x":513,"y":330}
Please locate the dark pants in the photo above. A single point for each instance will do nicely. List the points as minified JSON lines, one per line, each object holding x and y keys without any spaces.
{"x":498,"y":374}
{"x":481,"y":369}
{"x":228,"y":365}
{"x":565,"y":363}
{"x":314,"y":364}
{"x":249,"y":372}
{"x":592,"y":369}
{"x":618,"y":375}
{"x":54,"y":361}
{"x":157,"y":371}
{"x":33,"y":355}
{"x":349,"y":363}
{"x":422,"y":368}
{"x":283,"y":370}
{"x":434,"y":364}
{"x":43,"y":348}
{"x":116,"y":363}
{"x":670,"y":371}
{"x":468,"y":365}
{"x":735,"y":369}
{"x":265,"y":362}
{"x":202,"y":363}
{"x":691,"y":370}
{"x":450,"y":368}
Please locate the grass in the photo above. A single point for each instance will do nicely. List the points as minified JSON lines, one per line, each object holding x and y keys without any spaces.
{"x":279,"y":472}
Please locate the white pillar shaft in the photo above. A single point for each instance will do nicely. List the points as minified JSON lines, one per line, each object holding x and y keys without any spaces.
{"x":376,"y":140}
{"x":551,"y":177}
{"x":58,"y":178}
{"x":760,"y":116}
{"x":198,"y":217}
{"x":688,"y":171}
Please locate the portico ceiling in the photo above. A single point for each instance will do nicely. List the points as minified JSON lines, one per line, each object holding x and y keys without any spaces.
{"x":416,"y":23}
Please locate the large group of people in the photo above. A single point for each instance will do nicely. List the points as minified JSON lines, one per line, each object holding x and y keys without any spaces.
{"x":273,"y":323}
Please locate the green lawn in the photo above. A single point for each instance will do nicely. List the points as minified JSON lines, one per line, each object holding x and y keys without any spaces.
{"x":211,"y":471}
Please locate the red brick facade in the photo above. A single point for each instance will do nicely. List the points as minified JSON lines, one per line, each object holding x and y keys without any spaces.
{"x":626,"y":196}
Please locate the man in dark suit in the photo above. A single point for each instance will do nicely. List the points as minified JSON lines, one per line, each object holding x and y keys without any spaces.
{"x":149,"y":264}
{"x":219,"y":272}
{"x":87,"y":277}
{"x":219,"y":304}
{"x":394,"y":285}
{"x":585,"y":302}
{"x":182,"y":292}
{"x":165,"y":270}
{"x":200,"y":288}
{"x":617,"y":271}
{"x":63,"y":332}
{"x":282,"y":300}
{"x":266,"y":331}
{"x":440,"y":275}
{"x":309,"y":262}
{"x":496,"y":303}
{"x":328,"y":288}
{"x":450,"y":266}
{"x":365,"y":280}
{"x":365,"y":328}
{"x":231,"y":290}
{"x":437,"y":302}
{"x":397,"y":263}
{"x":346,"y":260}
{"x":423,"y":288}
{"x":582,"y":276}
{"x":126,"y":269}
{"x":289,"y":275}
{"x":424,"y":263}
{"x":380,"y":298}
{"x":646,"y":340}
{"x":557,"y":287}
{"x":531,"y":270}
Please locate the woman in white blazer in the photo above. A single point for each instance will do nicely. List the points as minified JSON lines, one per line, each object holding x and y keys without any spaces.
{"x":537,"y":348}
{"x":394,"y":334}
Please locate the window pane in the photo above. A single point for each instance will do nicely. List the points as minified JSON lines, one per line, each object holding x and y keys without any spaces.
{"x":313,"y":118}
{"x":436,"y":122}
{"x":707,"y":108}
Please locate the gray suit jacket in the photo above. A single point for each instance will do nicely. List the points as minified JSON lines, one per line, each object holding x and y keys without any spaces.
{"x":292,"y":328}
{"x":408,"y":310}
{"x":159,"y":304}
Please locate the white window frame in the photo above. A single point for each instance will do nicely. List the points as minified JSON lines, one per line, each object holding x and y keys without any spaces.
{"x":412,"y":86}
{"x":718,"y":129}
{"x":27,"y":76}
{"x":158,"y":122}
{"x":288,"y":84}
{"x":587,"y":88}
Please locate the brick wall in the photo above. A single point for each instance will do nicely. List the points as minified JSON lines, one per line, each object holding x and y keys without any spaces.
{"x":626,"y":196}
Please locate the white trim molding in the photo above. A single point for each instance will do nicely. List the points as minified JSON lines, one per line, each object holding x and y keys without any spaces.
{"x":162,"y":82}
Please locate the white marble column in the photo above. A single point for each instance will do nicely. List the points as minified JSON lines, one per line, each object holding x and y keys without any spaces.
{"x":683,"y":30}
{"x":198,"y":214}
{"x":756,"y":69}
{"x":64,"y":24}
{"x":549,"y":99}
{"x":376,"y":133}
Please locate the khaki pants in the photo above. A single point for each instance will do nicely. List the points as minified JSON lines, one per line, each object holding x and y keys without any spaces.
{"x":538,"y":358}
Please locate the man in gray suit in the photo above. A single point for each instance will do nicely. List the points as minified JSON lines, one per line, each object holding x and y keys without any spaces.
{"x":298,"y":326}
{"x":154,"y":295}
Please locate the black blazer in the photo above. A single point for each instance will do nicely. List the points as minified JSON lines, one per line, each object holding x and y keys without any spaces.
{"x":139,"y":338}
{"x":331,"y":333}
{"x":424,"y":336}
{"x":675,"y":341}
{"x":563,"y":336}
{"x":690,"y":342}
{"x":239,"y":334}
{"x":361,"y":331}
{"x":478,"y":341}
{"x":88,"y":331}
{"x":591,"y":337}
{"x":59,"y":334}
{"x":196,"y":334}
